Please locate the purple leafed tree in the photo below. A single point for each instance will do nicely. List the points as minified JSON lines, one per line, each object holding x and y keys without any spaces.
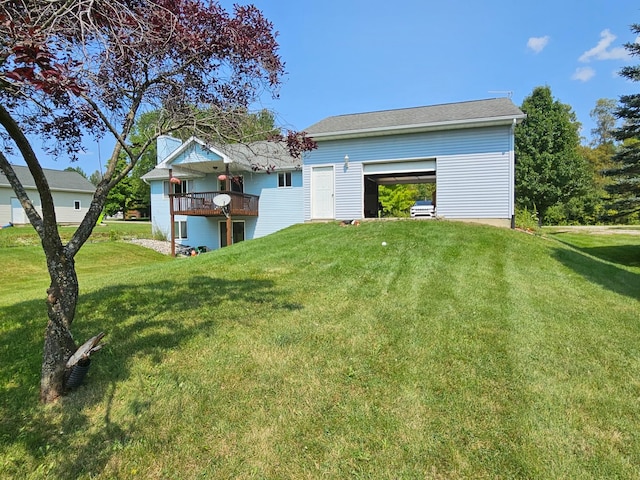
{"x":70,"y":68}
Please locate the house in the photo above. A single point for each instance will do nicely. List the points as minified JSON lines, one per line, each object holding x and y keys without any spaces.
{"x":466,"y":149}
{"x":71,"y":192}
{"x":261,"y":182}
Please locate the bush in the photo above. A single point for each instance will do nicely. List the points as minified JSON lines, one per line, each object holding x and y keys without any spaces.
{"x":159,"y":235}
{"x":555,"y":215}
{"x":526,"y":219}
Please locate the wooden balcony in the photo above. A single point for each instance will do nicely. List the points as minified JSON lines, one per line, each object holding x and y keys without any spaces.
{"x":201,"y":204}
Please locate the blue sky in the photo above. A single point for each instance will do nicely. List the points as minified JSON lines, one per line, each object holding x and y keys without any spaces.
{"x":351,"y":56}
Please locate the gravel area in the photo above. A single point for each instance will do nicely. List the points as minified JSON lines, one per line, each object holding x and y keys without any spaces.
{"x":159,"y":246}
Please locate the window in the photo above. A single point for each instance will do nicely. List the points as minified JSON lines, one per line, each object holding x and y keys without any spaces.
{"x":180,"y":229}
{"x":284,"y":179}
{"x":237,"y":233}
{"x":237,"y":184}
{"x":76,"y":205}
{"x":185,"y":187}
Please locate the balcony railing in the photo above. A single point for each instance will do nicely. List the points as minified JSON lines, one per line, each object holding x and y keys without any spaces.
{"x":201,"y":204}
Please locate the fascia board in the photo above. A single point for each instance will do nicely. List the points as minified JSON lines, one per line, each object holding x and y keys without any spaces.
{"x":53,"y":189}
{"x":419,"y":128}
{"x":166,"y":163}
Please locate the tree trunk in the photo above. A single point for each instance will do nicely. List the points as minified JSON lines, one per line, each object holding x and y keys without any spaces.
{"x":62,"y":298}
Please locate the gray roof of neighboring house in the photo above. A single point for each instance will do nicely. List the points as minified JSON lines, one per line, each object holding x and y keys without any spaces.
{"x":450,"y":114}
{"x":57,"y":179}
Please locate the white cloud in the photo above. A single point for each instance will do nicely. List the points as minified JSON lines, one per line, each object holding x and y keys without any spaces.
{"x":603,"y":50}
{"x":583,"y":74}
{"x":537,"y":44}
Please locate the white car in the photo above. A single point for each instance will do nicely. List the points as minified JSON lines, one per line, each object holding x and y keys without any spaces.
{"x":423,"y":208}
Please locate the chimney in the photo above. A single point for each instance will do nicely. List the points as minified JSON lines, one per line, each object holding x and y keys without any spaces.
{"x":166,"y":146}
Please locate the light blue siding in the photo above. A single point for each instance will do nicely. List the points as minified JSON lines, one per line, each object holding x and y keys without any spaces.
{"x":415,"y":145}
{"x":196,"y":154}
{"x":208,"y":183}
{"x":306,"y":192}
{"x":474,"y":186}
{"x":278,"y":208}
{"x":474,"y":169}
{"x":201,"y":231}
{"x":160,"y":217}
{"x":349,"y":196}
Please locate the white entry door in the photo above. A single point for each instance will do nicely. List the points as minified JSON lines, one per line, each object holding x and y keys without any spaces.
{"x":17,"y":212}
{"x":322,"y":192}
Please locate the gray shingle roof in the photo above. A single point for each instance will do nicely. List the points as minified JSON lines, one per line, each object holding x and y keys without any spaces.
{"x":177,"y":171}
{"x":57,"y":179}
{"x":264,"y":155}
{"x":429,"y":116}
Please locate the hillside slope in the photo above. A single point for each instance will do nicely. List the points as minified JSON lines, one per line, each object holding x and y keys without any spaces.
{"x":453,"y":351}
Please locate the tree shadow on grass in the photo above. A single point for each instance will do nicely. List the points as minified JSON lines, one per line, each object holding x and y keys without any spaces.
{"x":591,"y":264}
{"x":147,"y":321}
{"x":628,"y":255}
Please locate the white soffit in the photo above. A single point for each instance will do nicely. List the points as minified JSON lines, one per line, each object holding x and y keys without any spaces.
{"x":399,"y":167}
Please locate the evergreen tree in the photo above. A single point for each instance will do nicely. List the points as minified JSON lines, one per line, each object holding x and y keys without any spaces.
{"x":625,"y":188}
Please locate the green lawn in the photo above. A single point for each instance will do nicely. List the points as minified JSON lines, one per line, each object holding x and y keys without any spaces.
{"x":25,"y":235}
{"x":455,"y":351}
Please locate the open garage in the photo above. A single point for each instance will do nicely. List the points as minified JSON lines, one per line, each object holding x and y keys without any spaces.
{"x":393,"y":173}
{"x":466,"y":148}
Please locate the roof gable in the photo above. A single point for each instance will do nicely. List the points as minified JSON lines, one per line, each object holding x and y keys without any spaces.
{"x":451,"y":115}
{"x":194,"y":158}
{"x":193,"y":151}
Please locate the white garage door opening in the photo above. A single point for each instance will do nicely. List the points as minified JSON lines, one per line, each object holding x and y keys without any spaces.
{"x":393,"y":173}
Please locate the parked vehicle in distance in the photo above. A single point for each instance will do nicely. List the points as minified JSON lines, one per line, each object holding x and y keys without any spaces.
{"x":423,"y":208}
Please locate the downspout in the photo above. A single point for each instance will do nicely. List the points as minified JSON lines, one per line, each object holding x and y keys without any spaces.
{"x":512,"y":166}
{"x":172,"y":215}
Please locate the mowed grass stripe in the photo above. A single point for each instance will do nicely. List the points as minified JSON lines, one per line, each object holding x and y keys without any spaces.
{"x":454,"y":351}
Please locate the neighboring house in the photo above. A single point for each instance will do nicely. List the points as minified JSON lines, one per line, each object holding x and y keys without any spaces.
{"x":262,"y":180}
{"x":71,"y":192}
{"x":466,"y":149}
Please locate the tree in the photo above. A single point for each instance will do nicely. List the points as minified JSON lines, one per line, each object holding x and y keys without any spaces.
{"x":70,"y":68}
{"x":396,"y":199}
{"x":625,"y":186}
{"x":598,"y":155}
{"x":95,"y":178}
{"x":605,"y":118}
{"x":549,"y":170}
{"x":118,"y":196}
{"x":77,"y":170}
{"x":603,"y":143}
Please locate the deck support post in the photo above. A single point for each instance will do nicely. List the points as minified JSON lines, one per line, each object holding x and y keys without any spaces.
{"x":229,"y":222}
{"x":172,"y":215}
